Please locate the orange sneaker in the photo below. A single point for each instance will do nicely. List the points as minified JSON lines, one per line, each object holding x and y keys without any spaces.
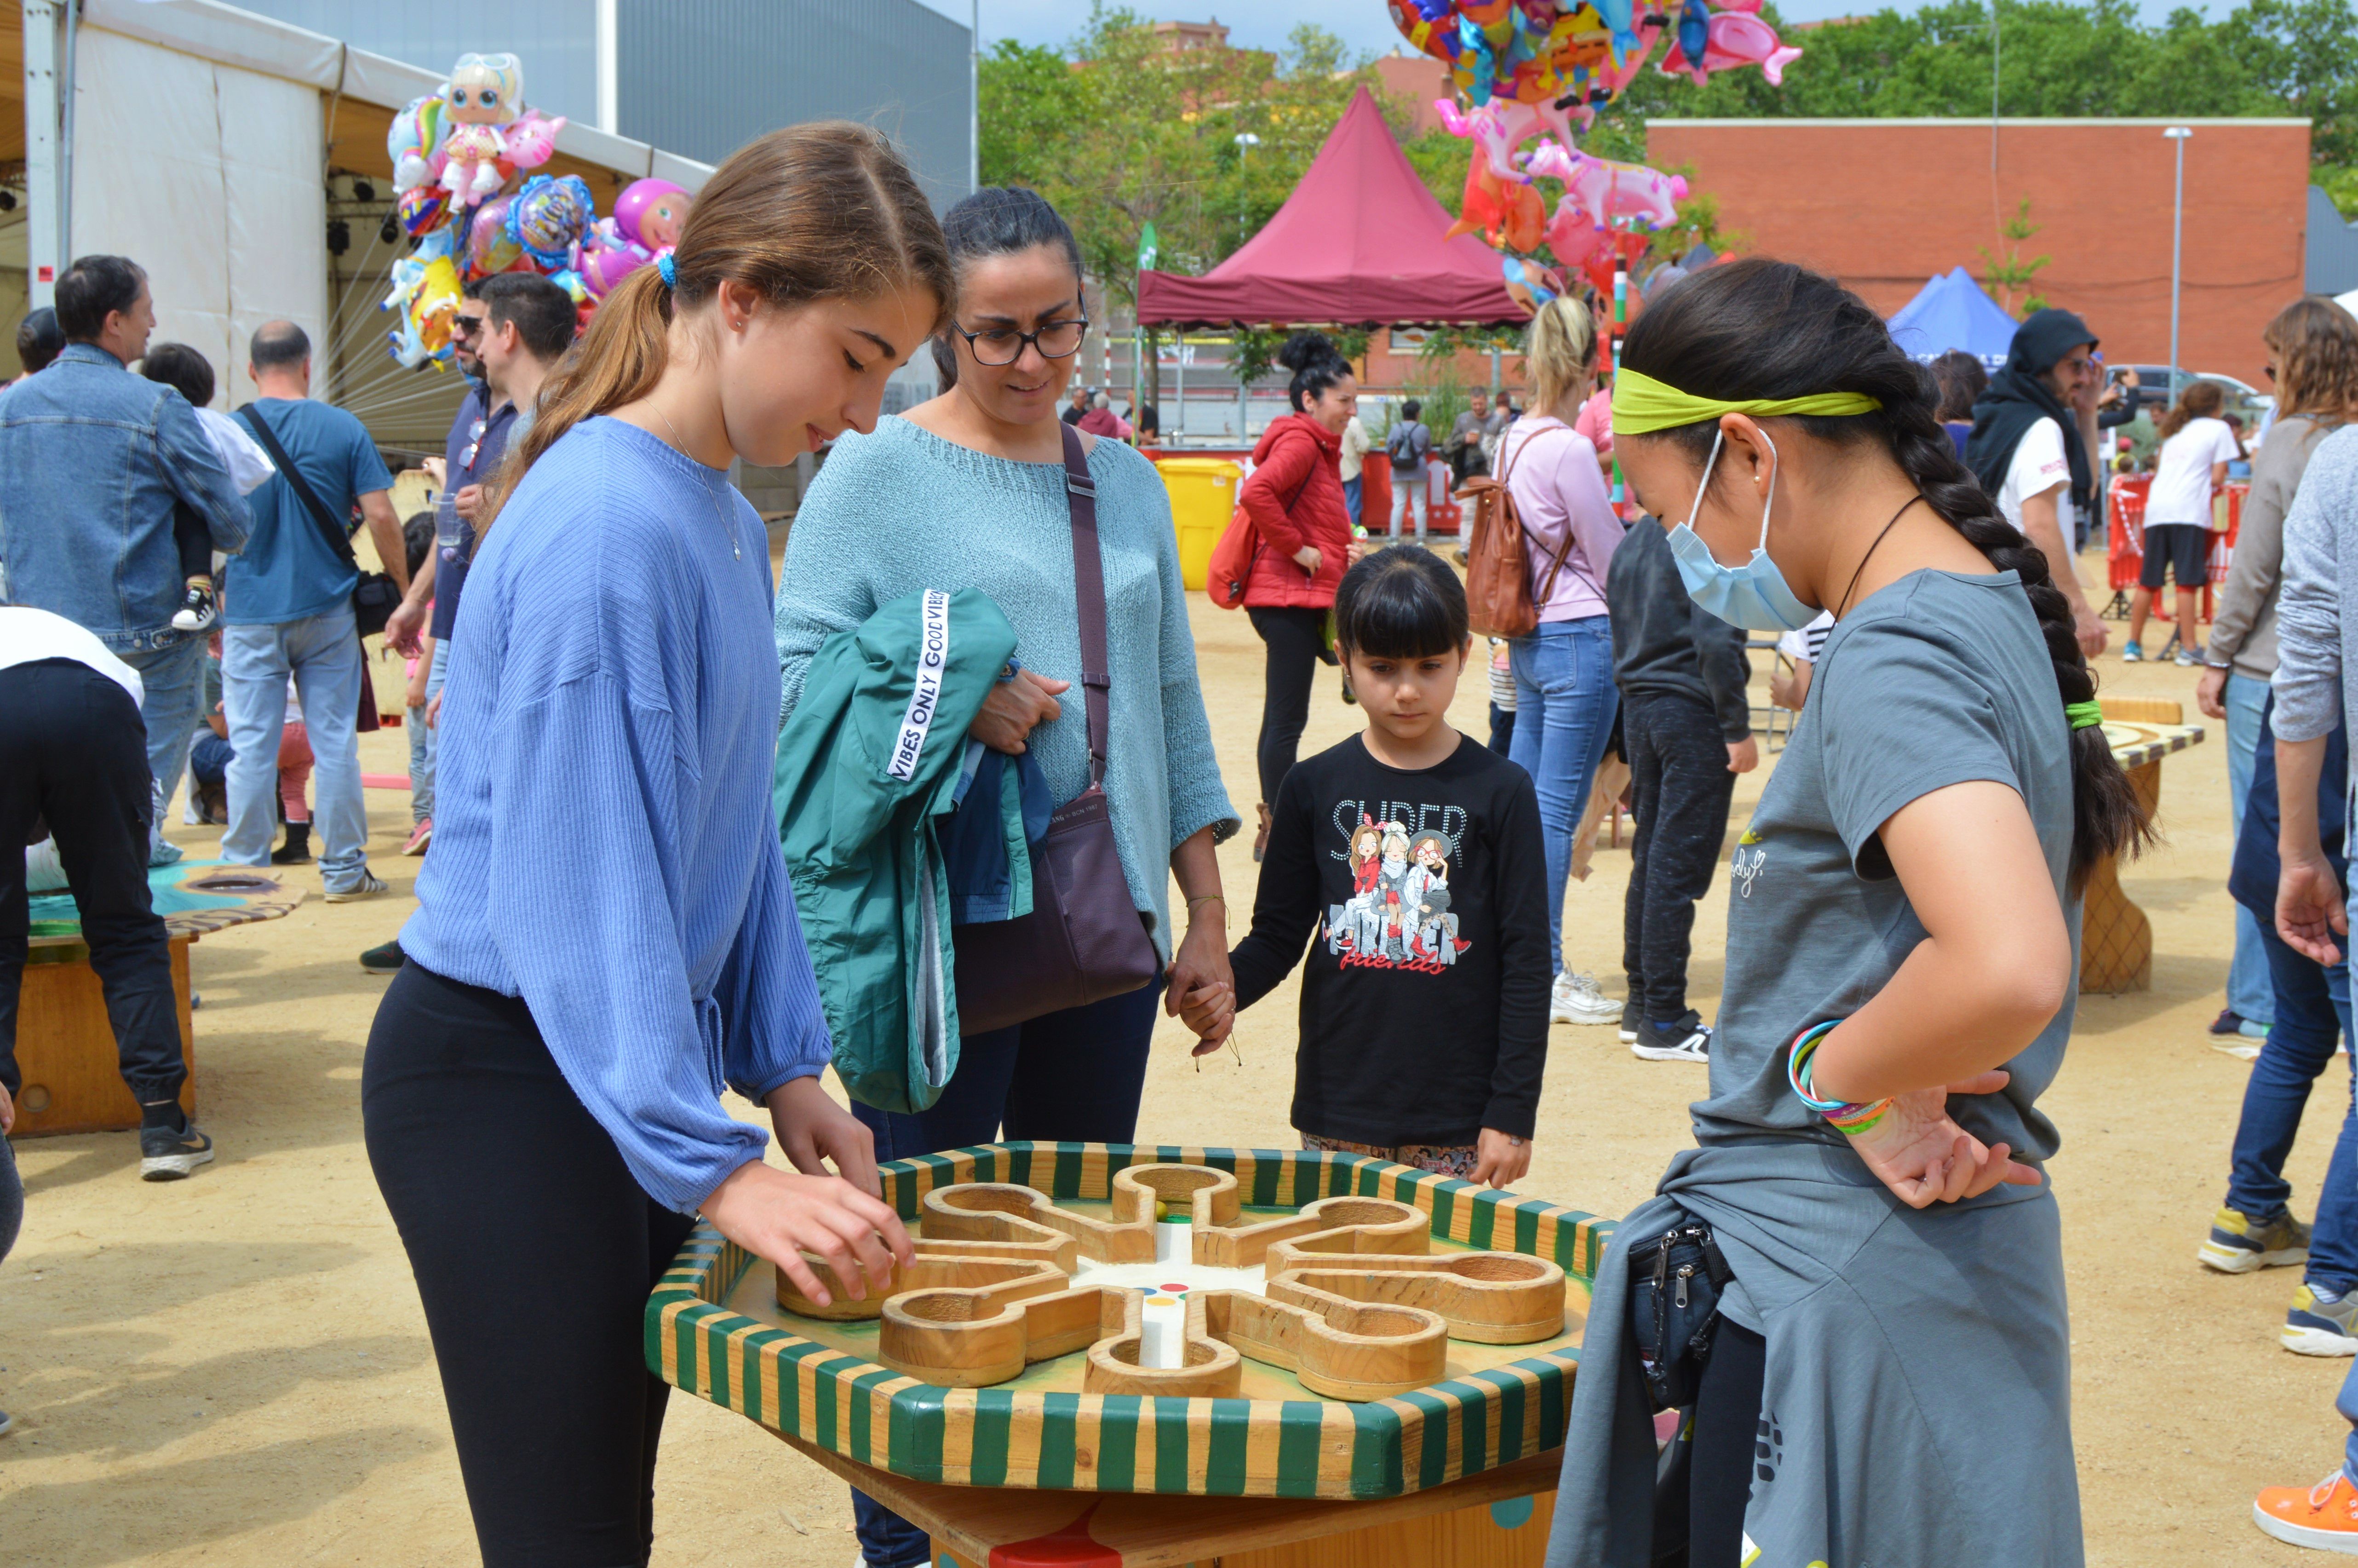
{"x":2323,"y":1517}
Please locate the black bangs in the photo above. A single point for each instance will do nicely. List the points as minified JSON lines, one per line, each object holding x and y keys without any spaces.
{"x":1401,"y":603}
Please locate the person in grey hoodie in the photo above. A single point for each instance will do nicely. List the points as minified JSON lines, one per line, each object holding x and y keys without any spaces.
{"x":2316,"y":682}
{"x":2313,"y":348}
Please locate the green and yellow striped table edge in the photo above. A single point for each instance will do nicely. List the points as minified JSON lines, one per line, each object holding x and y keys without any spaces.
{"x":1115,"y":1443}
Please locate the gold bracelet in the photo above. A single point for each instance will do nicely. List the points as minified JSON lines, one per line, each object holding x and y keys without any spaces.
{"x":1210,"y":898}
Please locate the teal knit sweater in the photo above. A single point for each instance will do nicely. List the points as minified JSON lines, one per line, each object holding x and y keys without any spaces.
{"x":904,"y":510}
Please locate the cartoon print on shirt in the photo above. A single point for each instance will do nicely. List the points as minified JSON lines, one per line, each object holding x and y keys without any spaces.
{"x":1397,"y":916}
{"x":1435,"y":939}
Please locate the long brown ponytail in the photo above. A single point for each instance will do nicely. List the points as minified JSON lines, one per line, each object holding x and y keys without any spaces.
{"x":1762,"y":328}
{"x":814,"y":212}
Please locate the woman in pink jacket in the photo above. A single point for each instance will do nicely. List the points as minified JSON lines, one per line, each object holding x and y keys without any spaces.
{"x":1295,"y":497}
{"x":1565,"y":696}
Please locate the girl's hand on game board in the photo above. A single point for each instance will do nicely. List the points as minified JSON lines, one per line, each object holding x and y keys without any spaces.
{"x":1500,"y":1160}
{"x":778,"y":1215}
{"x":813,"y":1128}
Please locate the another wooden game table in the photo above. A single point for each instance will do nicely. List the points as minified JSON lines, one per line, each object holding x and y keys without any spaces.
{"x":2116,"y":937}
{"x":65,"y":1044}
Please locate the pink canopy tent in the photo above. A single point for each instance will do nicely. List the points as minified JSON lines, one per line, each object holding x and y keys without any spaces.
{"x":1361,"y":239}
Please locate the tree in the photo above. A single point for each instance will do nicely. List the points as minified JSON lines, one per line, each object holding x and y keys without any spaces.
{"x":1117,"y":130}
{"x":2010,"y":274}
{"x":2057,"y":58}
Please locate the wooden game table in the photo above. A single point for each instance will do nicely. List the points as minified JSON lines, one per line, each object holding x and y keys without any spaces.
{"x":2116,"y":937}
{"x":1018,"y":1417}
{"x":65,"y":1044}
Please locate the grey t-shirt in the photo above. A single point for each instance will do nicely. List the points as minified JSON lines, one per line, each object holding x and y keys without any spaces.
{"x":1938,"y":679}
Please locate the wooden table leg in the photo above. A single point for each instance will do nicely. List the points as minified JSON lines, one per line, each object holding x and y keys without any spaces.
{"x":1511,"y":1532}
{"x":2116,"y":937}
{"x":65,"y":1046}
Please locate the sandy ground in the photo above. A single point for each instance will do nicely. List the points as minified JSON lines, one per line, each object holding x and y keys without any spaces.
{"x":234,"y":1369}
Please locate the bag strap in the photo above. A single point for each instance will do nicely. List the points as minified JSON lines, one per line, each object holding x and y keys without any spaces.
{"x":337,"y":540}
{"x":1088,"y":590}
{"x":1564,"y":552}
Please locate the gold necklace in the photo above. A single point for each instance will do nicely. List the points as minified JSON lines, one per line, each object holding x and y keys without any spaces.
{"x":734,"y":549}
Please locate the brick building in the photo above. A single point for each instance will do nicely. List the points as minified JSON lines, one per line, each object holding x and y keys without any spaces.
{"x":1885,"y":204}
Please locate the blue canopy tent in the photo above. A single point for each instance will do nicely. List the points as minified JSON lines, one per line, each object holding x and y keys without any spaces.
{"x":1951,"y":312}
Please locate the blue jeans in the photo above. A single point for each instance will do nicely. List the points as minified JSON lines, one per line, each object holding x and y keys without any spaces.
{"x":2312,"y":1003}
{"x":2249,"y":994}
{"x":1351,"y":488}
{"x":425,"y":743}
{"x":1074,"y":1077}
{"x":173,"y":679}
{"x":322,"y":652}
{"x":1565,"y":703}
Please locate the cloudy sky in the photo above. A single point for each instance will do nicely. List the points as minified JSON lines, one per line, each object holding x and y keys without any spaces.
{"x":1263,"y":24}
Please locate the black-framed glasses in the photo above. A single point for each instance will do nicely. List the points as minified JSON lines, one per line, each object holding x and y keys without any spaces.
{"x":1004,"y":345}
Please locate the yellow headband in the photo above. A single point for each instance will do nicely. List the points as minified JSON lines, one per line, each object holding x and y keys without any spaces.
{"x":1642,"y":404}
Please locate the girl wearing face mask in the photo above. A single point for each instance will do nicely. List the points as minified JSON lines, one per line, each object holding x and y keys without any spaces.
{"x":1888,"y":1377}
{"x":605,"y":929}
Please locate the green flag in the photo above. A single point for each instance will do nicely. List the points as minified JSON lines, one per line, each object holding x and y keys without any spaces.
{"x":1147,"y":247}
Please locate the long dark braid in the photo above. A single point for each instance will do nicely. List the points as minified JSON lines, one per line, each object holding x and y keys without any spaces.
{"x":1767,"y":329}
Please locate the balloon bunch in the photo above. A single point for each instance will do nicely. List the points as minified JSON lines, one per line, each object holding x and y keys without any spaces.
{"x":457,"y":156}
{"x":1541,"y":69}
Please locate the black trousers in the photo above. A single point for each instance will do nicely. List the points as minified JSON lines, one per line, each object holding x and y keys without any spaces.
{"x":192,"y":541}
{"x":1728,"y":1434}
{"x":534,"y":1251}
{"x":1679,"y":789}
{"x":1295,"y":637}
{"x":73,"y":753}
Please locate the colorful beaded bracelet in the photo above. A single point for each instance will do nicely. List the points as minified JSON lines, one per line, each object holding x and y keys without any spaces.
{"x":1850,"y":1118}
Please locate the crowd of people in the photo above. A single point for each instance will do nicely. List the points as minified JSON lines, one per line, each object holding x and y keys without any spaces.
{"x":980,"y":642}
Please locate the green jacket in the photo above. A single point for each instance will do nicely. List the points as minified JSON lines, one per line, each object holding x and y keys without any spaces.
{"x":867,"y":765}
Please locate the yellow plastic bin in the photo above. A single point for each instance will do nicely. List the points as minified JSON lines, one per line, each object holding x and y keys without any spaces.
{"x":1203,"y":499}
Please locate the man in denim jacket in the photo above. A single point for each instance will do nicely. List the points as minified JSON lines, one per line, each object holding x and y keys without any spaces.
{"x":93,"y":460}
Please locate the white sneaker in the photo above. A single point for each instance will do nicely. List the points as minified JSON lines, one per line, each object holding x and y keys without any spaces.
{"x":1576,"y":1000}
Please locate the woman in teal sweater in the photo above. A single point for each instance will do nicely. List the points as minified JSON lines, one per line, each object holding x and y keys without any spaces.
{"x":968,"y":491}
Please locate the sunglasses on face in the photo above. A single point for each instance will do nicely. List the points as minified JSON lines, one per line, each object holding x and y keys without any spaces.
{"x":466,"y":326}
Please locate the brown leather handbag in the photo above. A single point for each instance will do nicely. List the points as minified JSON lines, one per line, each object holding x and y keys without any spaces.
{"x":1084,"y":939}
{"x":1498,"y":598}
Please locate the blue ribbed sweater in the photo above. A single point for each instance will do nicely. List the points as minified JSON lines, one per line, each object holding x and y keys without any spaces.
{"x":602,"y":840}
{"x":904,"y":510}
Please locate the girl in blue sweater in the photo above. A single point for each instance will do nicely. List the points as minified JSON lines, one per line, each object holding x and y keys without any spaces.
{"x":605,"y":937}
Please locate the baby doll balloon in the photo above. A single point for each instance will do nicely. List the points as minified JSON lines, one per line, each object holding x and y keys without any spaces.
{"x":650,"y":213}
{"x":485,"y":100}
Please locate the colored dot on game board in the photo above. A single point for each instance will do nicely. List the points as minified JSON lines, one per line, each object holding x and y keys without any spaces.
{"x":1176,"y":1290}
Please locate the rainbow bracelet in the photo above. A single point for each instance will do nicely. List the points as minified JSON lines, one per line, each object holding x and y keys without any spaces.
{"x":1850,"y":1118}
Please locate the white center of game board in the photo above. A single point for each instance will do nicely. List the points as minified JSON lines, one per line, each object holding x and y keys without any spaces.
{"x":1173,"y":1250}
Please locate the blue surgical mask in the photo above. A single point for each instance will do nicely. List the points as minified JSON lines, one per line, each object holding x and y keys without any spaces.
{"x":1754,"y":595}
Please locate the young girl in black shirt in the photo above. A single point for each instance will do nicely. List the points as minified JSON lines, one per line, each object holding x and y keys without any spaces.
{"x":1414,"y":859}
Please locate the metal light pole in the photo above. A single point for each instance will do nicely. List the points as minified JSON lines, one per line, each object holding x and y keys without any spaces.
{"x":1246,"y":142}
{"x":2178,"y":134}
{"x":974,"y":98}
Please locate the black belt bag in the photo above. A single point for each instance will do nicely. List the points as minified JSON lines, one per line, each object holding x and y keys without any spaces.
{"x":1674,"y":1284}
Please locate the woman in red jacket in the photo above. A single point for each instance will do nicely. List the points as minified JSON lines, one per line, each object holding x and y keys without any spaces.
{"x":1295,"y":497}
